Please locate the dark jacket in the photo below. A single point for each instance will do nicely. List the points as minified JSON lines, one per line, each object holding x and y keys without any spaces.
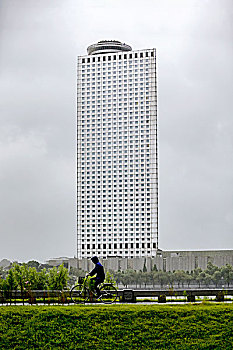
{"x":98,"y":271}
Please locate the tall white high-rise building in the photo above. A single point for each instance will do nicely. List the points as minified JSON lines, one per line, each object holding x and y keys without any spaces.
{"x":117,"y":156}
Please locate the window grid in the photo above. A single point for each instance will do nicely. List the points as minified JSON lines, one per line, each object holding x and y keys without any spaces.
{"x":117,"y":171}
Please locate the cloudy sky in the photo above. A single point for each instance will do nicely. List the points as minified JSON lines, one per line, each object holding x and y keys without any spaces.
{"x":39,"y":44}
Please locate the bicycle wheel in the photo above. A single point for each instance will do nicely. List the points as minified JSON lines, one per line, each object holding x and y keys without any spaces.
{"x":108,"y":294}
{"x":79,"y":294}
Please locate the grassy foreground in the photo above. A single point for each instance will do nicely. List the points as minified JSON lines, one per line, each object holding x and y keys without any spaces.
{"x":117,"y":327}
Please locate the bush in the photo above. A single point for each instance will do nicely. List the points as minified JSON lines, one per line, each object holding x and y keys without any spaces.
{"x":26,"y":278}
{"x":117,"y":327}
{"x":57,"y":279}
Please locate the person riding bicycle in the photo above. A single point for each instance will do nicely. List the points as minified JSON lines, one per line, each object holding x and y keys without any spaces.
{"x":99,"y":272}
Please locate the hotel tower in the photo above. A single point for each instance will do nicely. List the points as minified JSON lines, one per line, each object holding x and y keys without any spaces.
{"x":117,"y":155}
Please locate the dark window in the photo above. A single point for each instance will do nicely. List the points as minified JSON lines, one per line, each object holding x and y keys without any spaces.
{"x":136,"y":55}
{"x":130,"y":56}
{"x":146,"y":54}
{"x":83,"y":60}
{"x":152,"y":54}
{"x":114,"y":57}
{"x":93,"y":59}
{"x":109,"y":58}
{"x":141,"y":54}
{"x":125,"y":56}
{"x":103,"y":58}
{"x":88,"y":60}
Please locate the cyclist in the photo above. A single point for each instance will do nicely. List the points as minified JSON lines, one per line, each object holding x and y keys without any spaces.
{"x":99,"y":272}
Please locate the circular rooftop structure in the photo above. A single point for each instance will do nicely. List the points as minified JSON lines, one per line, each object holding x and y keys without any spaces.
{"x":107,"y":46}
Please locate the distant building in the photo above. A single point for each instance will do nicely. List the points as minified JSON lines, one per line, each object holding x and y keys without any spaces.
{"x":117,"y":158}
{"x":67,"y":262}
{"x":166,"y":261}
{"x":190,"y":260}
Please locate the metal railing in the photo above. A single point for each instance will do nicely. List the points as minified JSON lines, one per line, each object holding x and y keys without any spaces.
{"x":46,"y":297}
{"x":50,"y":297}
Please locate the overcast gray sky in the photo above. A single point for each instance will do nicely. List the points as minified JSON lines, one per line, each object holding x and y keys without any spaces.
{"x":39,"y":44}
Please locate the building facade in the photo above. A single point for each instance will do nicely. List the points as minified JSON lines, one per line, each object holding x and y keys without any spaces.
{"x":117,"y":157}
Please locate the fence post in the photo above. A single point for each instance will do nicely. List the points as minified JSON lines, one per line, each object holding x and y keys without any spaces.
{"x":128,"y":296}
{"x":162,"y":298}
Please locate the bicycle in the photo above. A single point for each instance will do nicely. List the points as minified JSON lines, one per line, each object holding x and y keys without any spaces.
{"x":80,"y":293}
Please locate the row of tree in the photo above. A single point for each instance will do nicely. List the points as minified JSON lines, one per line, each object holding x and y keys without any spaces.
{"x":213,"y":275}
{"x":33,"y":276}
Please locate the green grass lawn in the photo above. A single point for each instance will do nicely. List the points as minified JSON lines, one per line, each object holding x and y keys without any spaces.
{"x":200,"y":326}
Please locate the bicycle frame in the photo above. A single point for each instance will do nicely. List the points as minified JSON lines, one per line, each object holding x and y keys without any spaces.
{"x":81,"y":292}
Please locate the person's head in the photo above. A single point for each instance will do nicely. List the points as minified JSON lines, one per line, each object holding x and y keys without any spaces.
{"x":94,"y":259}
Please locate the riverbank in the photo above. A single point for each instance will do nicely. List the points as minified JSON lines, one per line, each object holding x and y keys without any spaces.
{"x":193,"y":326}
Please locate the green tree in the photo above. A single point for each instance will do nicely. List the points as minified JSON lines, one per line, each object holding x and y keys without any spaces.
{"x":136,"y":278}
{"x":196,"y":275}
{"x":216,"y":278}
{"x":132,"y":276}
{"x":196,"y":272}
{"x":227,"y":273}
{"x":126,"y":278}
{"x":150,"y":278}
{"x":57,"y":278}
{"x":117,"y":277}
{"x":179,"y":277}
{"x":161,"y":277}
{"x":170,"y":277}
{"x":32,"y":278}
{"x":211,"y":269}
{"x":42,"y":281}
{"x":188,"y":278}
{"x":201,"y":278}
{"x":10,"y":282}
{"x":20,"y":273}
{"x":109,"y":278}
{"x":207,"y":279}
{"x":146,"y":278}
